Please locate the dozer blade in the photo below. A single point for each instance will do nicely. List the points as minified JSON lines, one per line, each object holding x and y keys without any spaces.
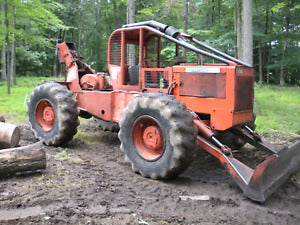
{"x":273,"y":172}
{"x":260,"y":183}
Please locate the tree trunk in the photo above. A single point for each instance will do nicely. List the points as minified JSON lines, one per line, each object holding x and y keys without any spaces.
{"x":266,"y":49}
{"x":7,"y":42}
{"x":116,"y":22}
{"x":238,"y":30}
{"x":268,"y":69}
{"x":131,"y":19}
{"x":60,"y":64}
{"x":282,"y":78}
{"x":3,"y":54}
{"x":247,"y":32}
{"x":27,"y":158}
{"x":8,"y":55}
{"x":235,"y":29}
{"x":260,"y":66}
{"x":13,"y":53}
{"x":54,"y":67}
{"x":3,"y":63}
{"x":185,"y":21}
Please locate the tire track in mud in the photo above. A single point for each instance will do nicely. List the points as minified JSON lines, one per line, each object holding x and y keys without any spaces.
{"x":95,"y":185}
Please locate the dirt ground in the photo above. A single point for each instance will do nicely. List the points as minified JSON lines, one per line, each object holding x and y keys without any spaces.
{"x":88,"y":182}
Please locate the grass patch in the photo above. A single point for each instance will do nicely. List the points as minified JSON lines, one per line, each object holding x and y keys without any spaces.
{"x":88,"y":137}
{"x":62,"y":155}
{"x":65,"y":155}
{"x":278,"y":109}
{"x":12,"y":106}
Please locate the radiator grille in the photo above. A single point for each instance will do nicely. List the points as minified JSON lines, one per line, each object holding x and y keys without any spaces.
{"x":244,"y":92}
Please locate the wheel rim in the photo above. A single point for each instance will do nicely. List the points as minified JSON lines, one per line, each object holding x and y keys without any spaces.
{"x":45,"y":115}
{"x":148,"y":138}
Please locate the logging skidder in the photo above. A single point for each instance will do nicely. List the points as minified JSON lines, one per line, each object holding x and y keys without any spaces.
{"x":164,"y":108}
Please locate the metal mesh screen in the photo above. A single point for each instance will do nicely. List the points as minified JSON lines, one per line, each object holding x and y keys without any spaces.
{"x":156,"y":79}
{"x":115,"y":50}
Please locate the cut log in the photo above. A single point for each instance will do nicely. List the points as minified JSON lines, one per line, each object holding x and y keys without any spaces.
{"x":9,"y":135}
{"x":27,"y":158}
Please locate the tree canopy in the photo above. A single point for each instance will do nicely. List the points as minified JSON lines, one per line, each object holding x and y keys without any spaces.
{"x":35,"y":26}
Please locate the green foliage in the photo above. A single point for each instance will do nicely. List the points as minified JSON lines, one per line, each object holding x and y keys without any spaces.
{"x":277,"y":7}
{"x":36,"y":24}
{"x":278,"y":109}
{"x":29,"y":60}
{"x":89,"y":23}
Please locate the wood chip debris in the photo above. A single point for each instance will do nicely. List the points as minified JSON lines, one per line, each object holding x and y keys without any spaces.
{"x":195,"y":197}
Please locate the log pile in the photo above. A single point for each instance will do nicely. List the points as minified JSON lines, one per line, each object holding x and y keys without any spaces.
{"x":9,"y":135}
{"x":20,"y":159}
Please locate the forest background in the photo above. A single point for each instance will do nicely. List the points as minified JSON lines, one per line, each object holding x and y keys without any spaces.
{"x":30,"y":29}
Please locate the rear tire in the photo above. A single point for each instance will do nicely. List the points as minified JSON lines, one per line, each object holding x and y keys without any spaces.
{"x":52,"y":114}
{"x":158,"y":135}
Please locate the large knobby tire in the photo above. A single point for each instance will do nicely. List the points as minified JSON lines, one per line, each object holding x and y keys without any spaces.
{"x":158,"y":135}
{"x":52,"y":114}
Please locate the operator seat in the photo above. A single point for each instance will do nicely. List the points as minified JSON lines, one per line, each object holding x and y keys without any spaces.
{"x":133,"y":72}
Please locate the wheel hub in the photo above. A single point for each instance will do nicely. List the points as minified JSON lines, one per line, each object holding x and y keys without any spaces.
{"x":48,"y":115}
{"x":45,"y":115}
{"x":152,"y":138}
{"x":148,"y":138}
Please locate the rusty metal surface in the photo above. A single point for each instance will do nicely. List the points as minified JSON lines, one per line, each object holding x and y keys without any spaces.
{"x":90,"y":82}
{"x":257,"y":142}
{"x":203,"y":128}
{"x":240,"y":172}
{"x":260,"y":183}
{"x":210,"y":85}
{"x":273,"y":172}
{"x":244,"y":86}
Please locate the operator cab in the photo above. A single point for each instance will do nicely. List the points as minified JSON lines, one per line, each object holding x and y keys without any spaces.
{"x":141,"y":58}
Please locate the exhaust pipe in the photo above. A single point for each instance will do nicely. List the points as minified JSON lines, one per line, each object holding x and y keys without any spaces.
{"x":169,"y":30}
{"x":174,"y":35}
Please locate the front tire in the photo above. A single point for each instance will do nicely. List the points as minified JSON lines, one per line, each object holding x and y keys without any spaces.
{"x":158,"y":135}
{"x":52,"y":113}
